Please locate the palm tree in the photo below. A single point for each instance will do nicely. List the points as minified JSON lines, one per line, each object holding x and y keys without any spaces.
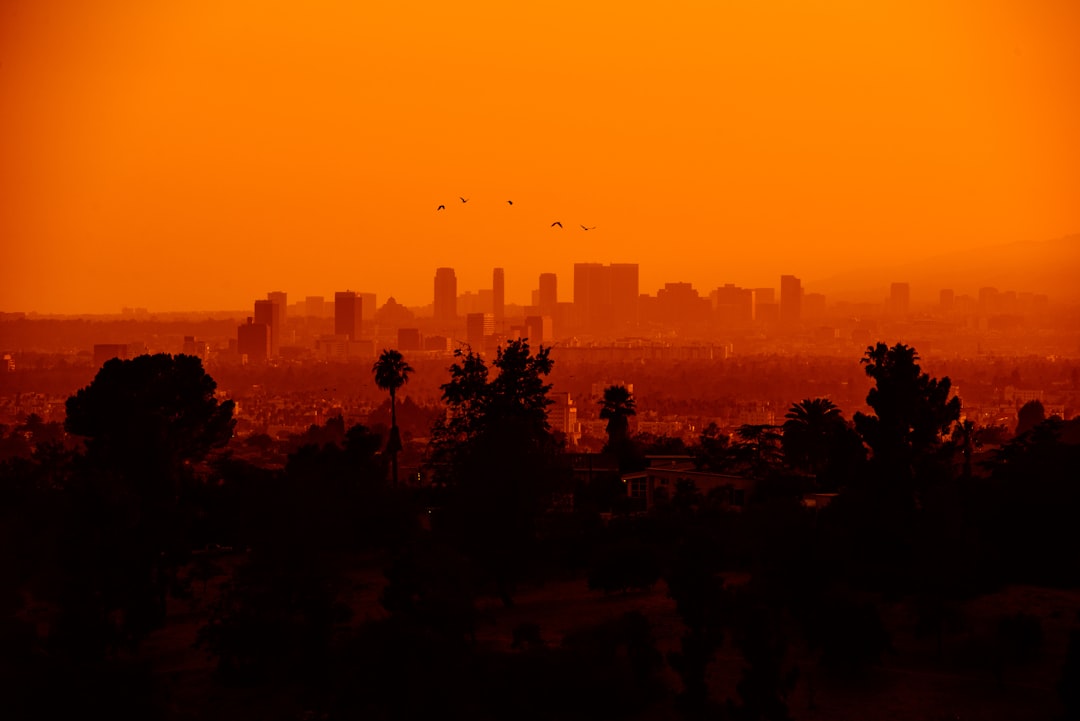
{"x":757,"y":447}
{"x":808,"y":430}
{"x":616,"y":408}
{"x":391,"y":372}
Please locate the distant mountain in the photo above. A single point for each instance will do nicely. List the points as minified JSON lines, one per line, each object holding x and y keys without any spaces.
{"x":1051,"y":267}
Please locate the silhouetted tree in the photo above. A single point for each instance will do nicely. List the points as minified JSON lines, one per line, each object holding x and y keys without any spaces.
{"x":616,"y":407}
{"x":1030,"y":415}
{"x":391,"y":372}
{"x":713,"y":451}
{"x":757,"y":449}
{"x":495,"y":452}
{"x":808,"y":433}
{"x":145,"y":422}
{"x":913,"y":414}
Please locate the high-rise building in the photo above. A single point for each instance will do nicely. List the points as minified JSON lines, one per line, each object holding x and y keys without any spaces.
{"x":548,"y":296}
{"x":348,"y":313}
{"x":445,"y":296}
{"x":253,"y":340}
{"x":946,"y":298}
{"x":734,"y":306}
{"x":899,"y":298}
{"x":605,"y":296}
{"x":498,"y":295}
{"x":679,"y":305}
{"x":592,"y":294}
{"x":624,"y":294}
{"x":791,"y":292}
{"x":479,"y":327}
{"x":268,"y":313}
{"x":368,"y":301}
{"x":280,"y":296}
{"x":562,"y":416}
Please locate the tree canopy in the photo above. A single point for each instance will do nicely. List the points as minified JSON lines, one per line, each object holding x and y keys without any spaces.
{"x":153,"y":409}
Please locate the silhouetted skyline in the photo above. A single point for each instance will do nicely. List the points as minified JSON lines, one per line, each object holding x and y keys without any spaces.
{"x":150,"y":154}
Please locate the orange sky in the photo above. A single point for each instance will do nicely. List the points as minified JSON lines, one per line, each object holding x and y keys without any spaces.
{"x":196,"y":154}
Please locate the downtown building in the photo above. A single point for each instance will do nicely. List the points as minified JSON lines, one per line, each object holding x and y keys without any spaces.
{"x":605,"y":298}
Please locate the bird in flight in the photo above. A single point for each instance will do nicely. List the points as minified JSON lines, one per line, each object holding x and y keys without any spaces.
{"x":441,"y":207}
{"x":556,"y":223}
{"x":592,"y":228}
{"x":510,"y":202}
{"x":464,"y":200}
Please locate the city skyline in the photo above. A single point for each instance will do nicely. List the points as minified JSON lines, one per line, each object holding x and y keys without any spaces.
{"x":157,"y":152}
{"x":538,"y":288}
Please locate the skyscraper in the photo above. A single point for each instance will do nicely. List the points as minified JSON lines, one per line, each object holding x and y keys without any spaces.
{"x":624,"y":294}
{"x":790,"y":300}
{"x":899,"y":298}
{"x":268,"y":313}
{"x":348,"y":312}
{"x":498,"y":295}
{"x":281,"y":297}
{"x":590,"y":294}
{"x":253,"y":339}
{"x":605,"y":296}
{"x":479,"y":327}
{"x":445,"y":295}
{"x":549,"y":294}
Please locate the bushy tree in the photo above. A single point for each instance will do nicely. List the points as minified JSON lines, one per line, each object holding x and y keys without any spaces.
{"x":913,"y":414}
{"x":497,"y":456}
{"x":128,"y":512}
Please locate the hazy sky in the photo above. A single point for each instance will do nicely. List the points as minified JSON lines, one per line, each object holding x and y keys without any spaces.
{"x":195,"y":154}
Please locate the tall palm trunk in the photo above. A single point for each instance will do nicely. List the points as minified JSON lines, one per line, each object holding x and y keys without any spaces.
{"x":395,"y":438}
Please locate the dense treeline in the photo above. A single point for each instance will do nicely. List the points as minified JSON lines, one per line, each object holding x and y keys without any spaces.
{"x":139,"y":506}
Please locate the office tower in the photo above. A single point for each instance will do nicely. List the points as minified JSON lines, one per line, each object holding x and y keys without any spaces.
{"x":348,"y":312}
{"x":790,"y":300}
{"x":445,"y":296}
{"x":498,"y":295}
{"x":478,"y":328}
{"x":678,"y":304}
{"x":624,"y":294}
{"x":764,"y":295}
{"x":253,"y":340}
{"x":268,"y":313}
{"x":734,"y":306}
{"x":562,"y":417}
{"x":989,"y":300}
{"x":899,"y":298}
{"x":315,"y":306}
{"x":368,"y":301}
{"x":548,"y":296}
{"x":605,"y":296}
{"x":280,"y":296}
{"x":945,"y":299}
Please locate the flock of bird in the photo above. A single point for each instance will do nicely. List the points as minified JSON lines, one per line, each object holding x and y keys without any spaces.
{"x":510,"y":202}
